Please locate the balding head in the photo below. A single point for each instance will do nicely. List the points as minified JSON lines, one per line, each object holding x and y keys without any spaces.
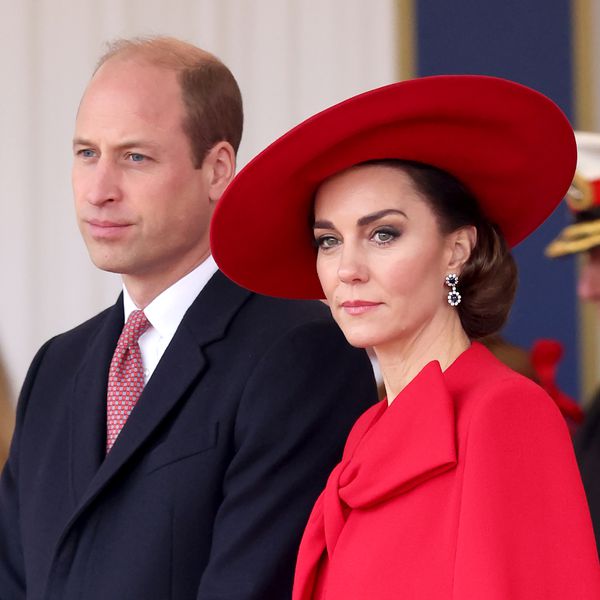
{"x":210,"y":94}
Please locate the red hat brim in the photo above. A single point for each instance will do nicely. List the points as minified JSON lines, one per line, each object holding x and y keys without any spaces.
{"x":511,"y":146}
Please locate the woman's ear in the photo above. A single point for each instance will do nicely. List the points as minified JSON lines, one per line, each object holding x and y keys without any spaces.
{"x":462,"y":241}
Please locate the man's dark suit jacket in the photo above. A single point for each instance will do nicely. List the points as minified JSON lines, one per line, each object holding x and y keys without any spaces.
{"x":207,"y":489}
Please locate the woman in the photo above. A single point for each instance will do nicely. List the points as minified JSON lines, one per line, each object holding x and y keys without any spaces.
{"x":462,"y":484}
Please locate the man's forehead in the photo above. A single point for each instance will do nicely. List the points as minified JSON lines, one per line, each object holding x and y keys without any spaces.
{"x":130,"y":66}
{"x":125,"y":94}
{"x":134,"y":80}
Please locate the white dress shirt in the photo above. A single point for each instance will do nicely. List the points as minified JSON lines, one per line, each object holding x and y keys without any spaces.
{"x":166,"y":311}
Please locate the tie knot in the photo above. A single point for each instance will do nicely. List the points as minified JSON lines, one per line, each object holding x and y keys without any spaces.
{"x":136,"y":325}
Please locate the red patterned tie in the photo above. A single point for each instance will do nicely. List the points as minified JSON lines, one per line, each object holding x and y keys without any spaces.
{"x":125,"y":377}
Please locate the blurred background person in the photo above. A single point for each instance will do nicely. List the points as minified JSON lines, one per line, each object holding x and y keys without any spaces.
{"x":583,"y":237}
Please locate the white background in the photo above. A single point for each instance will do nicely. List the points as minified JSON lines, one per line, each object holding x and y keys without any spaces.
{"x":291,"y":58}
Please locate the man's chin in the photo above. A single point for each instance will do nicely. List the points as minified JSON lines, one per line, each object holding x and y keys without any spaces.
{"x":110,"y":265}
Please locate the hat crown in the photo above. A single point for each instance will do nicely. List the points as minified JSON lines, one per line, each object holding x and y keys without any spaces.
{"x":509,"y":145}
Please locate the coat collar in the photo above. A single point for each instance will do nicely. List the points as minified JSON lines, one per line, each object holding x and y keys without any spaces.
{"x":396,"y":449}
{"x":180,"y":367}
{"x":407,"y":443}
{"x":390,"y":451}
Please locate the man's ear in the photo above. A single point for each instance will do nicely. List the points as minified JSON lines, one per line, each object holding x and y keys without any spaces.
{"x":220,"y":167}
{"x":462,"y":241}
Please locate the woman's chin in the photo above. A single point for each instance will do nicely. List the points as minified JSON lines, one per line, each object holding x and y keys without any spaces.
{"x":361,"y":339}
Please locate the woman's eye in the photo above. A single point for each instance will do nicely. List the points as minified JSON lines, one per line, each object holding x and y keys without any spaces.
{"x":327,"y":241}
{"x":384,"y":236}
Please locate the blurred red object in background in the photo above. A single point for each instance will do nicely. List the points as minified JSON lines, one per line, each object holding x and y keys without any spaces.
{"x":545,"y":357}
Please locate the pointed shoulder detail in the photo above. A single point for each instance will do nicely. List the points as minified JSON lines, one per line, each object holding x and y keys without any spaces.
{"x":414,"y":437}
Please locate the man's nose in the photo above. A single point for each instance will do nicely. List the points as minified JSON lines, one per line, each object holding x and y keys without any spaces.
{"x":104,"y":183}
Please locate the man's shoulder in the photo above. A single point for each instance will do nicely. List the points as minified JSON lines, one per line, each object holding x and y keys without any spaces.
{"x":273,"y":317}
{"x":224,"y":300}
{"x":81,"y":334}
{"x":62,"y":354}
{"x":297,"y":310}
{"x":252,"y":326}
{"x":90,"y":325}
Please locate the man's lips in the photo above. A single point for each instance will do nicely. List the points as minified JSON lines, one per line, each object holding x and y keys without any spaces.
{"x":106,"y":229}
{"x":359,"y":307}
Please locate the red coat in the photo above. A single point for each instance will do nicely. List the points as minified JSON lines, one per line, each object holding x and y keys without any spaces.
{"x":465,"y":488}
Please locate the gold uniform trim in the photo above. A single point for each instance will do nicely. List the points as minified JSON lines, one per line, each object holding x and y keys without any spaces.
{"x":575,"y":238}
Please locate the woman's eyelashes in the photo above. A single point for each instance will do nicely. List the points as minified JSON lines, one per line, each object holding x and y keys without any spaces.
{"x":326,"y":241}
{"x":381,"y":236}
{"x":385,"y":235}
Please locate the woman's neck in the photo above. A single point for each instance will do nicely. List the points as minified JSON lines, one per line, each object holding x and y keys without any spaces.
{"x":401,"y":361}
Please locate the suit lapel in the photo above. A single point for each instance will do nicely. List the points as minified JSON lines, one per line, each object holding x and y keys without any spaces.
{"x":87,"y":419}
{"x":180,"y":368}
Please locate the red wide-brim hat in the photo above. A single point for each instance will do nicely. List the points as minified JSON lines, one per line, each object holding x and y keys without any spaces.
{"x":511,"y":146}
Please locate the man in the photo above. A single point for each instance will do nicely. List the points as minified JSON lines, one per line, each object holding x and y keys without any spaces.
{"x":583,"y":236}
{"x":198,"y":488}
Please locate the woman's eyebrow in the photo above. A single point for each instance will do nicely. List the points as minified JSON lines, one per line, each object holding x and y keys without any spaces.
{"x":363,"y":220}
{"x":323,"y":225}
{"x":378,"y":215}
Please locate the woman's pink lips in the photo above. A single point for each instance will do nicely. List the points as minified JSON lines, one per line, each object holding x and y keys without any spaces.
{"x":359,"y":307}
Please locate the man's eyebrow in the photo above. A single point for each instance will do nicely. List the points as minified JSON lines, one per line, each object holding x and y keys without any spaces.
{"x":133,"y":143}
{"x":78,"y":141}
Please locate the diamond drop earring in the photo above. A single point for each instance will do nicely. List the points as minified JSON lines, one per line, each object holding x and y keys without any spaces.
{"x":453,"y":295}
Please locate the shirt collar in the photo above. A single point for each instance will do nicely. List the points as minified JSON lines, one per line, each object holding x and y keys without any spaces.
{"x":166,"y":311}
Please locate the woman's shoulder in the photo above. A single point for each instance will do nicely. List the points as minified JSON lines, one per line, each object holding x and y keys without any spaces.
{"x":482,"y":371}
{"x":492,"y":392}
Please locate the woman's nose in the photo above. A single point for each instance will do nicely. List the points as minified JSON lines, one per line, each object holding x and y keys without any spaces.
{"x":352,"y":267}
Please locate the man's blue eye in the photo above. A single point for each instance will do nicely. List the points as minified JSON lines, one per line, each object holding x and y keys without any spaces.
{"x":87,"y":153}
{"x":135,"y":157}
